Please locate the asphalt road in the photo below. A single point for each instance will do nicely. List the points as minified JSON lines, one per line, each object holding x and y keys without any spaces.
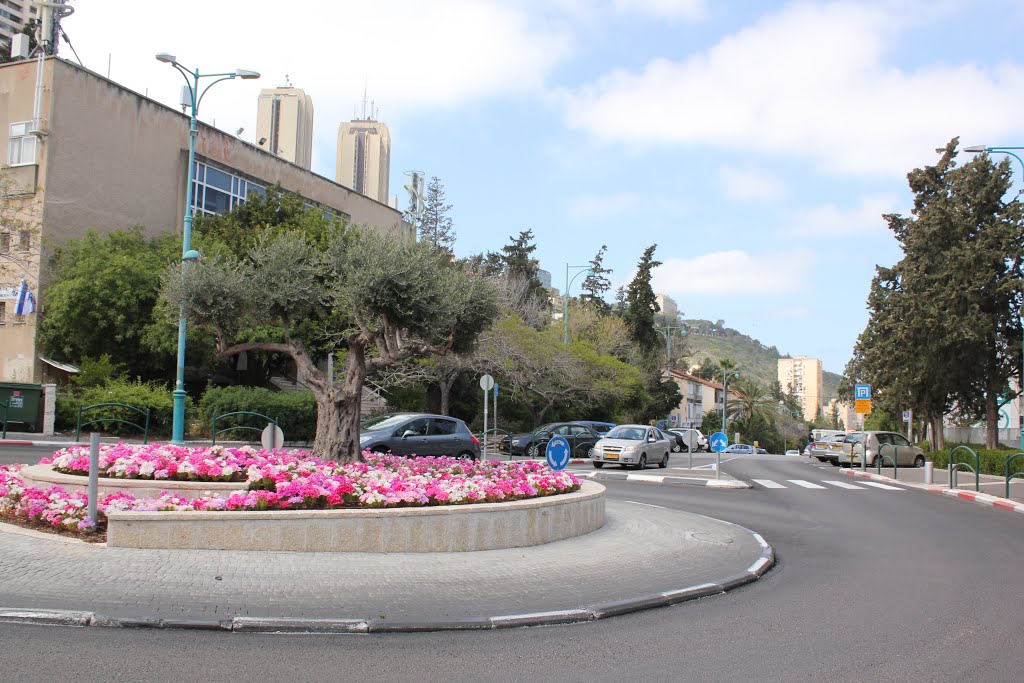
{"x":870,"y":585}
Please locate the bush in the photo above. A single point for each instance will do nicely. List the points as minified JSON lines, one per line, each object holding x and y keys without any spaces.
{"x":295,"y":411}
{"x":992,"y":461}
{"x":143,"y":395}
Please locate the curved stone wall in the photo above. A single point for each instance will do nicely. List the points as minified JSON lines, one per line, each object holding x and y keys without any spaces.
{"x":450,"y":528}
{"x":43,"y":476}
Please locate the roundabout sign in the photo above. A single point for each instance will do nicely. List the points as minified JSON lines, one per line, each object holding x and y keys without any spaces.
{"x":557,"y":453}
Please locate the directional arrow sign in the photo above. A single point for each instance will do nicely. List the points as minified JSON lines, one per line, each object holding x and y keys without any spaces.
{"x":719,"y":442}
{"x":557,"y":453}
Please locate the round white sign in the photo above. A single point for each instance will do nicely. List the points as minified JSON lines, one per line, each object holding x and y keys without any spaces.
{"x":486,"y":382}
{"x":272,"y":437}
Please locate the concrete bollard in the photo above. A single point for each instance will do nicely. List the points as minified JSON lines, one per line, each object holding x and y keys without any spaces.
{"x":929,"y":471}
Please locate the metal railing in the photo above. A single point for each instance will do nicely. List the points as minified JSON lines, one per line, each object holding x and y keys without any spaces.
{"x":882,"y":456}
{"x":112,"y":420}
{"x":214,"y":431}
{"x":1009,"y":476}
{"x":954,"y":467}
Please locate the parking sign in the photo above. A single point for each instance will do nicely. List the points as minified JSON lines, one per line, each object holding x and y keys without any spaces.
{"x":862,"y":392}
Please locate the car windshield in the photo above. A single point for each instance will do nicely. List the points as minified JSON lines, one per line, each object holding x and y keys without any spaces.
{"x":546,"y":428}
{"x":629,"y":433}
{"x":385,"y":422}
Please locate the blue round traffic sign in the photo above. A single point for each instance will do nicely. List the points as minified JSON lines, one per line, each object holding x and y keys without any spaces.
{"x":719,"y":442}
{"x":557,"y":453}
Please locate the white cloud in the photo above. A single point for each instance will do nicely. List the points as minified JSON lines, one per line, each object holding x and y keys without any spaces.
{"x":829,"y":220}
{"x":731,"y":273}
{"x":746,"y":184}
{"x":686,"y":9}
{"x":809,"y":81}
{"x":585,"y":207}
{"x":409,"y":55}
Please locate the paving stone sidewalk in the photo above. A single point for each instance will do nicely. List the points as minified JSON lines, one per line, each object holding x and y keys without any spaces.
{"x":666,"y":556}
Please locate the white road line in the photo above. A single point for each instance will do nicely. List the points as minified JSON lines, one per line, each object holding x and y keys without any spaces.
{"x":646,"y":505}
{"x":844,"y":485}
{"x":645,"y":477}
{"x":882,"y":486}
{"x":768,"y":483}
{"x":805,"y":484}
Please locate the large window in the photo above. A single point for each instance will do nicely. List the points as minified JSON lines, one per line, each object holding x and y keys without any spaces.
{"x":21,"y":147}
{"x":215,"y":191}
{"x":5,"y":243}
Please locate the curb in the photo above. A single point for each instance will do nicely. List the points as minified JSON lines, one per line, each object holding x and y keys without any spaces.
{"x":16,"y":442}
{"x":290,"y":625}
{"x":972,"y":496}
{"x":664,"y":480}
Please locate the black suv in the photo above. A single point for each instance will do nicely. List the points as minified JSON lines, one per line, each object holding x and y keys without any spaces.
{"x":418,"y":434}
{"x":581,"y":439}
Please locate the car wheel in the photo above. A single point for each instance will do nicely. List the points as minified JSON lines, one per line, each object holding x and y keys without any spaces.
{"x":382,"y":450}
{"x":835,"y":463}
{"x":643,"y":462}
{"x":919,"y":461}
{"x":664,"y":462}
{"x":822,"y":459}
{"x":598,"y":465}
{"x":531,"y":451}
{"x":466,"y":455}
{"x":676,"y":448}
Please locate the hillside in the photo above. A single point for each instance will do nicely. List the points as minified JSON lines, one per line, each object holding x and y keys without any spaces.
{"x":712,"y":339}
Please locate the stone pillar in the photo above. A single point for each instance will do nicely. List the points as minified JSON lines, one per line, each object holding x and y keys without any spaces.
{"x":49,"y":408}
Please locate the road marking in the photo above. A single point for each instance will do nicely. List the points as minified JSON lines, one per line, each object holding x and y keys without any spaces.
{"x":882,"y":486}
{"x":768,"y":483}
{"x":844,"y":485}
{"x":646,"y":505}
{"x":805,"y":484}
{"x":644,"y":477}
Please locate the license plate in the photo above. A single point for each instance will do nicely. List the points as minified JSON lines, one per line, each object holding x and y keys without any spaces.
{"x":611,"y":456}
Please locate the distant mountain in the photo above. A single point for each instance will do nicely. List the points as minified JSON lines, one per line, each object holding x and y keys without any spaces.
{"x":706,"y":339}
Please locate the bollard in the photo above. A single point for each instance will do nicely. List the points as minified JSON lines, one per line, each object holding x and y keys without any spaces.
{"x":929,"y":471}
{"x":94,"y":474}
{"x":718,"y":465}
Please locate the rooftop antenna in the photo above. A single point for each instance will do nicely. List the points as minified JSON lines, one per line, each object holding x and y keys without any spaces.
{"x":288,"y":82}
{"x":364,"y":100}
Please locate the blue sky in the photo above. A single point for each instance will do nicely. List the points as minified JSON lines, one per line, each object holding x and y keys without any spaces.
{"x":756,"y":142}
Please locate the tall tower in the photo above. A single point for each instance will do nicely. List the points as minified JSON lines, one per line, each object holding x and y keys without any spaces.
{"x":364,"y":156}
{"x":805,"y":378}
{"x":284,"y":124}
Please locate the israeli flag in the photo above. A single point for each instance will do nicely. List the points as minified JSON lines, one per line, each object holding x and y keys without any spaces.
{"x":26,"y":302}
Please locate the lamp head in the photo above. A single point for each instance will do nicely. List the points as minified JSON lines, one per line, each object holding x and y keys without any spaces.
{"x":976,"y":149}
{"x":190,"y":255}
{"x":166,"y":58}
{"x":246,"y":74}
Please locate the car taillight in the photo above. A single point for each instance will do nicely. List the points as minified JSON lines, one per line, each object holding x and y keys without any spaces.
{"x":475,"y":440}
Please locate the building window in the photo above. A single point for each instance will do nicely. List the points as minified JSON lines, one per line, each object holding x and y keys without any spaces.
{"x":5,"y":243}
{"x":25,"y":241}
{"x":3,"y":313}
{"x":215,"y":191}
{"x":21,"y":147}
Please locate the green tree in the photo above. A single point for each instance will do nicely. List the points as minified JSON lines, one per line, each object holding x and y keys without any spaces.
{"x":382,"y":300}
{"x":752,"y":400}
{"x":641,"y":304}
{"x":101,"y":300}
{"x":596,"y":285}
{"x":436,"y":226}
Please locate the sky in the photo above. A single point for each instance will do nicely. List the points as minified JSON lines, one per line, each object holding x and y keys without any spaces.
{"x":757,"y":143}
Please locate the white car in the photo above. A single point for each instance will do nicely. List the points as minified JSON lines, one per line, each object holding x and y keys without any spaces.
{"x":632,"y":446}
{"x":694,"y":439}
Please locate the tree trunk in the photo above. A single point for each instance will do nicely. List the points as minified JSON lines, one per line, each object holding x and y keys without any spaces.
{"x":339,"y":410}
{"x":991,"y":417}
{"x":938,"y":437}
{"x":444,"y":385}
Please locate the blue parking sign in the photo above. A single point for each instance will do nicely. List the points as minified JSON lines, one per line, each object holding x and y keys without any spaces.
{"x":862,"y":392}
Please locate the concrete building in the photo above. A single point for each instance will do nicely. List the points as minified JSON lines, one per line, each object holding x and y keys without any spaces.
{"x":805,"y":378}
{"x":284,"y":124}
{"x":97,"y":155}
{"x":364,"y":157}
{"x":13,"y":15}
{"x":669,"y":309}
{"x":699,"y":397}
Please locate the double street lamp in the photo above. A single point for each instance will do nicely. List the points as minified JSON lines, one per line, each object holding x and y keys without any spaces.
{"x":568,"y":283}
{"x":725,"y":400}
{"x":983,"y":149}
{"x":192,"y":77}
{"x":667,"y":330}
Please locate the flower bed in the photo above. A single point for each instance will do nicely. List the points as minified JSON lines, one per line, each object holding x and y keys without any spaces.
{"x":273,"y":480}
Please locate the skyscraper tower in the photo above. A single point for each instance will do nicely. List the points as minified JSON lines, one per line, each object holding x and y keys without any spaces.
{"x":364,"y":156}
{"x":284,"y":124}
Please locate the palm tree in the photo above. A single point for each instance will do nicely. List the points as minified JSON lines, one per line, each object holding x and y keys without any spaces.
{"x":753,"y":400}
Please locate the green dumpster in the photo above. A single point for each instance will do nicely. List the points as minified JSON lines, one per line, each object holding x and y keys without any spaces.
{"x":24,"y":405}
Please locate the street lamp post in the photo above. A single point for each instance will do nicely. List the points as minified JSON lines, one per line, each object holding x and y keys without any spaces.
{"x":565,"y":296}
{"x":191,"y":77}
{"x":982,"y":149}
{"x":667,"y":331}
{"x":725,"y":400}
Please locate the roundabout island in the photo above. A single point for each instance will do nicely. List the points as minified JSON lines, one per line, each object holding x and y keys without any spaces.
{"x":298,"y":547}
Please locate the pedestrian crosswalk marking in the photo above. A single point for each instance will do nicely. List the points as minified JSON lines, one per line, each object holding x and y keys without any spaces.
{"x":805,"y":484}
{"x":769,"y":484}
{"x":882,"y":486}
{"x":844,"y":485}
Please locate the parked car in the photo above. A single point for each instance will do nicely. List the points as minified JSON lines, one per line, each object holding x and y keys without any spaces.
{"x":740,"y":448}
{"x":792,"y":451}
{"x":695,"y":440}
{"x":889,"y":444}
{"x":761,"y":451}
{"x":418,"y":434}
{"x":599,"y":427}
{"x":581,"y":438}
{"x":828,"y":448}
{"x":675,"y":439}
{"x":632,"y":446}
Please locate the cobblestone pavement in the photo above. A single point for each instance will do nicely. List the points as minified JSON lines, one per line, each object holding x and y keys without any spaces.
{"x":641,"y":551}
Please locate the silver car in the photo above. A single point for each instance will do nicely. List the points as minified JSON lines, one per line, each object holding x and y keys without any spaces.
{"x":889,"y":444}
{"x":632,"y":446}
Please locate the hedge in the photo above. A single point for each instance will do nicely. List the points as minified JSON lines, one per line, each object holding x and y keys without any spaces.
{"x":158,"y":399}
{"x":295,"y":411}
{"x":992,"y":461}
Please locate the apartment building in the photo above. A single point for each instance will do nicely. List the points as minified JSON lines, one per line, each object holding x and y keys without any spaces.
{"x":699,"y":396}
{"x":805,"y":378}
{"x":284,"y":124}
{"x":364,"y":157}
